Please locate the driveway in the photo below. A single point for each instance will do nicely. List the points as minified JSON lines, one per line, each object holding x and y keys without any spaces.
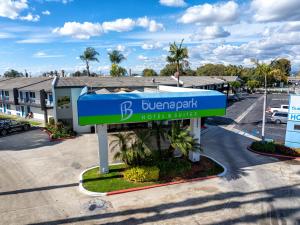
{"x":39,"y":186}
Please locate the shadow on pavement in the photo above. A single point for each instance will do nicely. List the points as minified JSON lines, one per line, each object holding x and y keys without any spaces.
{"x":21,"y":191}
{"x":234,"y":200}
{"x":35,"y":138}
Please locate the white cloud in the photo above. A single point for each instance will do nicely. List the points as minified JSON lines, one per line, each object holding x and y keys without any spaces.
{"x":291,"y":26}
{"x":210,"y":32}
{"x":121,"y":48}
{"x":149,"y":46}
{"x":119,"y":25}
{"x":12,"y":8}
{"x":208,"y":13}
{"x":33,"y":41}
{"x":276,"y":10}
{"x":30,"y":17}
{"x":151,"y":25}
{"x":86,"y":30}
{"x":143,"y":58}
{"x":5,"y":35}
{"x":173,"y":3}
{"x":42,"y":54}
{"x":79,"y":30}
{"x":46,"y":13}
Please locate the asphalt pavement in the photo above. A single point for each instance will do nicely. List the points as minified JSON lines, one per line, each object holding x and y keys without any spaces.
{"x":39,"y":185}
{"x":252,"y":123}
{"x":246,"y":115}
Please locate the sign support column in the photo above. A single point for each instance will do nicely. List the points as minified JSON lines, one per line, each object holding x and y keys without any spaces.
{"x":103,"y":148}
{"x":196,"y":132}
{"x":196,"y":128}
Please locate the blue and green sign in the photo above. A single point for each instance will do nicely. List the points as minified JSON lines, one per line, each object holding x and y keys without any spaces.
{"x":142,"y":107}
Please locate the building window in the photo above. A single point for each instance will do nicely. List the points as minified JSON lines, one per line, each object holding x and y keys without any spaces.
{"x":32,"y":94}
{"x":8,"y":106}
{"x":6,"y":95}
{"x":297,"y":127}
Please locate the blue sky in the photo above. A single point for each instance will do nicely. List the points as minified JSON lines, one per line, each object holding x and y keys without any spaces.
{"x":43,"y":35}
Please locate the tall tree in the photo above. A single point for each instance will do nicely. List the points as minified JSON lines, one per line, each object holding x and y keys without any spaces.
{"x":211,"y":70}
{"x":13,"y":73}
{"x":89,"y":55}
{"x":116,"y":57}
{"x":262,"y":70}
{"x":149,"y":72}
{"x":282,"y":64}
{"x":178,"y":55}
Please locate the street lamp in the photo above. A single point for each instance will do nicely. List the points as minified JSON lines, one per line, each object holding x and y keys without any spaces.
{"x":264,"y":110}
{"x":262,"y":69}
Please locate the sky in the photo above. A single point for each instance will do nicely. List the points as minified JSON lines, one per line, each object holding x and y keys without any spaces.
{"x":44,"y":35}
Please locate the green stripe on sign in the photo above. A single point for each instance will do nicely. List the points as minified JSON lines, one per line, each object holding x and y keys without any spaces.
{"x":144,"y":117}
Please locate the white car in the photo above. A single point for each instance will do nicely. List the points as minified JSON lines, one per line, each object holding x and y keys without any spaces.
{"x":282,"y":108}
{"x":279,"y":117}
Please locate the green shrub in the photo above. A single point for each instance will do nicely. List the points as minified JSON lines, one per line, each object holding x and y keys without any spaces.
{"x":58,"y":130}
{"x":267,"y":147}
{"x":51,"y":121}
{"x":284,"y":150}
{"x":173,"y":167}
{"x":142,"y":174}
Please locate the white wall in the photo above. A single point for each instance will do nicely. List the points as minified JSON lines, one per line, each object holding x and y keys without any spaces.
{"x":75,"y":93}
{"x":63,"y":112}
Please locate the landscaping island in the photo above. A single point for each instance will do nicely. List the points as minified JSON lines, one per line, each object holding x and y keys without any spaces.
{"x":274,"y":149}
{"x":174,"y":170}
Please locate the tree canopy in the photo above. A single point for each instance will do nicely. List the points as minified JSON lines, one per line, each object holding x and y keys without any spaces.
{"x":178,"y":55}
{"x":13,"y":73}
{"x":116,"y":57}
{"x":89,"y":55}
{"x":149,"y":72}
{"x":284,"y":65}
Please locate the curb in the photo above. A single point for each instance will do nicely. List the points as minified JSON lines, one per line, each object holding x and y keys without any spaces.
{"x":57,"y":139}
{"x":101,"y":194}
{"x":274,"y":155}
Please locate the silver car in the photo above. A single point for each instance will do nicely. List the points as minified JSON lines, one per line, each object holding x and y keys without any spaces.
{"x":279,"y":117}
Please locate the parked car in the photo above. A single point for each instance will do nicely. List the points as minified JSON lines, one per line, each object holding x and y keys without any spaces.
{"x":233,"y":98}
{"x":279,"y":117}
{"x":282,"y":108}
{"x":9,"y":126}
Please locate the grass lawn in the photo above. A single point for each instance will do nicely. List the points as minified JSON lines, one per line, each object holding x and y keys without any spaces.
{"x":32,"y":122}
{"x":113,"y":181}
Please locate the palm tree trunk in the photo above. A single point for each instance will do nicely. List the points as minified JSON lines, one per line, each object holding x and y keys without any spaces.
{"x":158,"y":143}
{"x":88,"y":68}
{"x":178,"y":74}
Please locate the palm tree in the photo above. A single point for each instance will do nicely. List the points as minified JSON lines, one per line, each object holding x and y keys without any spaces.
{"x":89,"y":55}
{"x":121,"y":143}
{"x":132,"y":150}
{"x":178,"y":55}
{"x":182,"y":140}
{"x":116,"y":57}
{"x":160,"y":133}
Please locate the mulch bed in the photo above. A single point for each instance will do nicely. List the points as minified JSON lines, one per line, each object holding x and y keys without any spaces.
{"x":205,"y":167}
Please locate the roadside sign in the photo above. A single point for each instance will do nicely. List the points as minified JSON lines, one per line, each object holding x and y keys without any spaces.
{"x":143,"y":107}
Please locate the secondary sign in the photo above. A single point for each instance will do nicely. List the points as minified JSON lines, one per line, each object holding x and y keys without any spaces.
{"x":294,"y":108}
{"x":143,"y":107}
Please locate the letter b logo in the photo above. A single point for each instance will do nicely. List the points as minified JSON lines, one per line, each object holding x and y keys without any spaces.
{"x":126,"y":111}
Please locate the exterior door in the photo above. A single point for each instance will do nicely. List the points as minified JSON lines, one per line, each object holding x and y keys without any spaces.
{"x":22,"y":110}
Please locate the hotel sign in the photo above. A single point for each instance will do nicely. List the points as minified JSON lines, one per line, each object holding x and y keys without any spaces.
{"x":294,"y":108}
{"x":143,"y":107}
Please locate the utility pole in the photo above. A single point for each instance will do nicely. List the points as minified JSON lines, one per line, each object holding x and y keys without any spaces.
{"x":264,"y":112}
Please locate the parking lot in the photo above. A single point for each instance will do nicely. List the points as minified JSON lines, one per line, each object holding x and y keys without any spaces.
{"x":252,"y":123}
{"x":246,"y":115}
